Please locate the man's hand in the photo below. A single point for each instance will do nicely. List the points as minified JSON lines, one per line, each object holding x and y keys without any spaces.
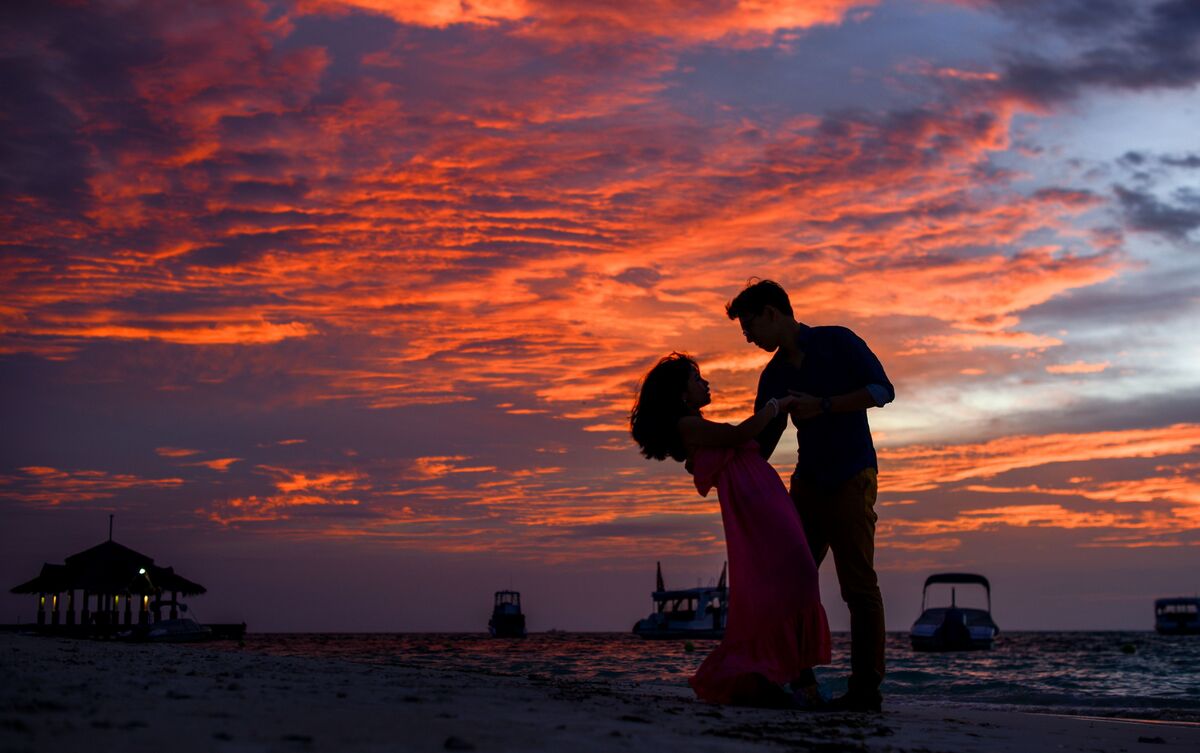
{"x":804,"y":405}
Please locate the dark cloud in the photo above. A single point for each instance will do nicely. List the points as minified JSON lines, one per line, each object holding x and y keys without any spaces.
{"x":41,"y":155}
{"x":250,"y":192}
{"x":62,"y":73}
{"x":1155,"y":49}
{"x":1190,"y":161}
{"x":1146,"y":301}
{"x":1134,"y":159}
{"x":1075,"y":16}
{"x":1067,"y":196}
{"x":642,"y":277}
{"x":243,"y":248}
{"x":1144,"y":211}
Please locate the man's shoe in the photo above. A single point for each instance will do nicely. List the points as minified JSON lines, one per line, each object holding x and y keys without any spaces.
{"x":857,"y":702}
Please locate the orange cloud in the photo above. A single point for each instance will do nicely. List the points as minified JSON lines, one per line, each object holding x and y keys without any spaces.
{"x":289,"y":481}
{"x":1078,"y":367}
{"x":667,"y":18}
{"x":220,"y":464}
{"x":919,"y":468}
{"x":175,"y":452}
{"x":41,"y":485}
{"x":436,"y":467}
{"x":253,"y":509}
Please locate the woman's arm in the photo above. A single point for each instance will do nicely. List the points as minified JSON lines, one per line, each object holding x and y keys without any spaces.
{"x":700,"y":432}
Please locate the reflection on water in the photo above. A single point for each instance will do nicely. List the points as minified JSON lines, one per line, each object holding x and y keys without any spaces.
{"x":1135,"y":673}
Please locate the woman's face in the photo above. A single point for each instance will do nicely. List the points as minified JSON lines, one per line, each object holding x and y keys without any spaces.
{"x":696,"y":393}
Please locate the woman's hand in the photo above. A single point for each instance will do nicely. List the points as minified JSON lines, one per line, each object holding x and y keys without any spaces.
{"x":785,"y":404}
{"x":804,"y":405}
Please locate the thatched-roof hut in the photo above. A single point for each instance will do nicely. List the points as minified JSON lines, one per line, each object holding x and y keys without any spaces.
{"x":111,"y":573}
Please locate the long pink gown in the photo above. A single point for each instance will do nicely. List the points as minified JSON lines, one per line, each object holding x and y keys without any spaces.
{"x":775,"y":626}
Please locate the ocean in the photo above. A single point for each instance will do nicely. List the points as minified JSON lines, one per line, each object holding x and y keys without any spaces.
{"x":1129,"y":674}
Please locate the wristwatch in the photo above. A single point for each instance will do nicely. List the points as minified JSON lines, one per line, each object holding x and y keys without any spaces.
{"x":826,"y":405}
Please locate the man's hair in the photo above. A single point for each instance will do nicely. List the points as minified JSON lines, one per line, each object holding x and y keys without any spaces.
{"x":757,"y":296}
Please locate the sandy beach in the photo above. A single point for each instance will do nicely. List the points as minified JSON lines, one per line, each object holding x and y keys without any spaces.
{"x":71,"y":695}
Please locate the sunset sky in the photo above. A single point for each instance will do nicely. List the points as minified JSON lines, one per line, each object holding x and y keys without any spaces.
{"x":340,"y":306}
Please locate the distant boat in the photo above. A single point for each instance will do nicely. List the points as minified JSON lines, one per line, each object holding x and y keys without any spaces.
{"x":1177,"y":616}
{"x":954,"y":628}
{"x":686,"y":613}
{"x":507,"y":620}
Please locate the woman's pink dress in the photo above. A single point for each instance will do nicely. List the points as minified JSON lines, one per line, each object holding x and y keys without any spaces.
{"x":776,"y":625}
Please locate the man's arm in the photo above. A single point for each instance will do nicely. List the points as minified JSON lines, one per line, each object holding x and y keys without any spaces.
{"x":876,"y":392}
{"x":768,"y":438}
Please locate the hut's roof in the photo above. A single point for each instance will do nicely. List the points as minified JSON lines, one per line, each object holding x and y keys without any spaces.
{"x":109,"y":568}
{"x":51,"y":579}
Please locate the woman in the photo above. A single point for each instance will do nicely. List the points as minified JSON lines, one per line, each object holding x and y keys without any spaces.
{"x":775,"y":629}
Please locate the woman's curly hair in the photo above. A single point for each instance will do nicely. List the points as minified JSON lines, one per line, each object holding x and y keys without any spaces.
{"x":654,"y":420}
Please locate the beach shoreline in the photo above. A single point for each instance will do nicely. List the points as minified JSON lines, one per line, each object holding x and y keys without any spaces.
{"x":72,"y":695}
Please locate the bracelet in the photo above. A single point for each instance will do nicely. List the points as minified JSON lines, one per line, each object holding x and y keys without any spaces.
{"x":774,"y":404}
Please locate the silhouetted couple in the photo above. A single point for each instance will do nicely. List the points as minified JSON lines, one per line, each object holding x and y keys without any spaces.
{"x":825,"y":378}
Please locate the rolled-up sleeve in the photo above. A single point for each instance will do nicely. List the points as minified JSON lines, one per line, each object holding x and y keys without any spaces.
{"x":868,"y":368}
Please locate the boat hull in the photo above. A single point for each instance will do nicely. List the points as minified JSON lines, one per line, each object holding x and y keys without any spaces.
{"x":1177,"y":629}
{"x":668,"y":634}
{"x":658,"y":627}
{"x":507,"y":626}
{"x":182,"y":630}
{"x":953,"y":629}
{"x":921,"y":643}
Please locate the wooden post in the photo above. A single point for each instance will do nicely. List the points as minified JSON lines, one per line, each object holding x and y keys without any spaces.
{"x":144,"y":612}
{"x":71,"y":607}
{"x":41,"y":613}
{"x":85,"y":614}
{"x":128,"y":609}
{"x":174,"y":605}
{"x":54,"y":618}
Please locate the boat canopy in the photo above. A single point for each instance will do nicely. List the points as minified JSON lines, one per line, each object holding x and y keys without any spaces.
{"x":508,"y":597}
{"x":957,"y":578}
{"x":1176,"y":601}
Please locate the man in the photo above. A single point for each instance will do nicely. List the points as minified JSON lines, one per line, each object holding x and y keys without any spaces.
{"x":836,"y":378}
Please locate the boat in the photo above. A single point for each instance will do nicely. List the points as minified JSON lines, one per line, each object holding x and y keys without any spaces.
{"x":179,"y":630}
{"x":954,"y":628}
{"x":1177,"y":616}
{"x":507,"y":620}
{"x":686,"y":613}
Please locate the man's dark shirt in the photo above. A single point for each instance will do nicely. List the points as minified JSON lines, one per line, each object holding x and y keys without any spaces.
{"x":832,"y":447}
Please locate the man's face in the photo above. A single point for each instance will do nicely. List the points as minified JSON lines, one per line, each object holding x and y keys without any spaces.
{"x":758,"y":329}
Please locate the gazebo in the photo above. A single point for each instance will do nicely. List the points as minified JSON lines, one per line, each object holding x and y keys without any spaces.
{"x":112,"y":577}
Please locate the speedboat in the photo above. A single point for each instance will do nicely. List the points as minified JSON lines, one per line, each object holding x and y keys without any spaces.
{"x":954,"y":628}
{"x":175,"y":630}
{"x":507,"y":620}
{"x":1177,"y":616}
{"x":686,"y":613}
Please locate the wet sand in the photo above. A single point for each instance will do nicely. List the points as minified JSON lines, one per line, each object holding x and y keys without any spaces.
{"x":68,"y":695}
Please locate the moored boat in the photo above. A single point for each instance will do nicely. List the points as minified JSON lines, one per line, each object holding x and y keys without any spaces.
{"x":686,"y":613}
{"x":954,"y":628}
{"x":507,"y":620}
{"x":1177,"y":616}
{"x":178,"y":630}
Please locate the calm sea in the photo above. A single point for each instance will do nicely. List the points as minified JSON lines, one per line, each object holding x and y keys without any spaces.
{"x":1137,"y":674}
